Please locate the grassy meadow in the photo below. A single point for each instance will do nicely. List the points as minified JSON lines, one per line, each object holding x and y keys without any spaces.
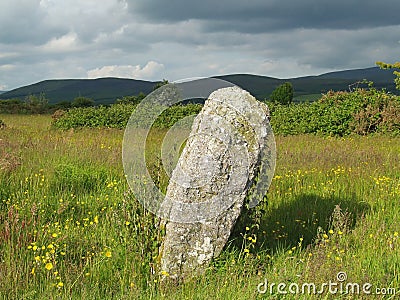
{"x":70,"y":229}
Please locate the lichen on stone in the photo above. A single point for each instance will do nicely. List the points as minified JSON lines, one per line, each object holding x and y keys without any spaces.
{"x":214,"y":172}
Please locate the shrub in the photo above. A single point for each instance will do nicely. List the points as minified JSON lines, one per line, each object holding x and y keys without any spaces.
{"x":131,"y":99}
{"x":175,"y":113}
{"x":363,"y":111}
{"x":37,"y":104}
{"x":380,"y":112}
{"x":117,"y":116}
{"x":82,"y":102}
{"x":13,"y":106}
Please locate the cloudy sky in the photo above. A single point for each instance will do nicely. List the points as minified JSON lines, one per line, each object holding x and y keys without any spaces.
{"x":176,"y":39}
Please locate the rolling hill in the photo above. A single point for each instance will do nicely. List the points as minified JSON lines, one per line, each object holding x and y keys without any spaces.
{"x":102,"y":90}
{"x":261,"y":87}
{"x":107,"y":90}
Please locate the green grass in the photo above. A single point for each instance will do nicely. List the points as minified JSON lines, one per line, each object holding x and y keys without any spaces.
{"x":65,"y":205}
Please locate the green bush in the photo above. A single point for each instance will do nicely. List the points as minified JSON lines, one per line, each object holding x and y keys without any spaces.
{"x":363,"y":111}
{"x":13,"y":106}
{"x":175,"y":113}
{"x":117,"y":116}
{"x":82,"y":102}
{"x":32,"y":105}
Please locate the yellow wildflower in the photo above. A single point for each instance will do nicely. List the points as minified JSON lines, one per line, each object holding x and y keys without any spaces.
{"x":49,"y":266}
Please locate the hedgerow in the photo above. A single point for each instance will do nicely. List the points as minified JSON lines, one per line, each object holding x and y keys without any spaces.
{"x":117,"y":116}
{"x":362,"y":111}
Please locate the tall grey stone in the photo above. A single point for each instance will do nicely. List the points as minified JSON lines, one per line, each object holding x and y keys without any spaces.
{"x":216,"y":170}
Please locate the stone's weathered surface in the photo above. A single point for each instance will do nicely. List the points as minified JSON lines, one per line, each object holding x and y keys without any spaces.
{"x":209,"y":184}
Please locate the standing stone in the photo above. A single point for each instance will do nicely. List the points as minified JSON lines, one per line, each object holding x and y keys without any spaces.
{"x":213,"y":175}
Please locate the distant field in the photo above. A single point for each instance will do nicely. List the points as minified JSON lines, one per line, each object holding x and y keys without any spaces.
{"x":69,"y":228}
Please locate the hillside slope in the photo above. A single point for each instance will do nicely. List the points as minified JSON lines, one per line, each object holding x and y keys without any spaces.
{"x":261,"y":87}
{"x":107,"y":90}
{"x":102,"y":90}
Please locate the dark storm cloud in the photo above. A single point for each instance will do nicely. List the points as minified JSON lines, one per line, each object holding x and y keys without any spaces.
{"x":148,"y":39}
{"x":266,"y":16}
{"x":24,"y":23}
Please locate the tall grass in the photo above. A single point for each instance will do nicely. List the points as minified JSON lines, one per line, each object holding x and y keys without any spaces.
{"x":70,"y":229}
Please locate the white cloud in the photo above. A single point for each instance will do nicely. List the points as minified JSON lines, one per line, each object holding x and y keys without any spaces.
{"x":65,"y":43}
{"x":151,"y":70}
{"x":7,"y":67}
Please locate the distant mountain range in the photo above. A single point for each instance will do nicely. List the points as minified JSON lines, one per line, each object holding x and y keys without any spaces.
{"x":102,"y":90}
{"x":107,"y":90}
{"x":311,"y":87}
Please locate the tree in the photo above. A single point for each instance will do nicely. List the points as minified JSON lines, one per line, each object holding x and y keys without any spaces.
{"x":37,"y":104}
{"x":131,"y":99}
{"x":283,"y":94}
{"x":82,"y":102}
{"x":395,"y":65}
{"x":160,"y":84}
